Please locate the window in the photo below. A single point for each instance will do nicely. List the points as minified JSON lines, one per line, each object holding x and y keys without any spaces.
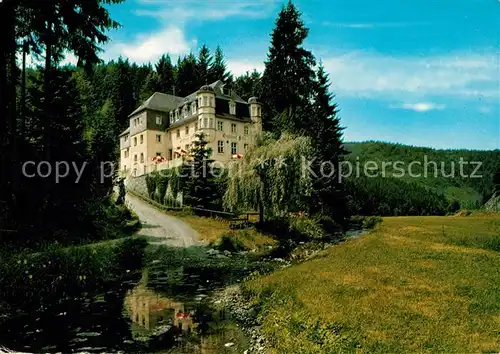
{"x":159,"y":120}
{"x":245,"y":130}
{"x":135,"y":141}
{"x":212,"y":102}
{"x":178,"y":133}
{"x":135,"y":158}
{"x":186,"y":147}
{"x":205,"y":122}
{"x":254,"y":111}
{"x":220,"y":126}
{"x":142,"y":138}
{"x":176,"y":115}
{"x":233,"y":128}
{"x":258,"y":111}
{"x":245,"y":147}
{"x":232,"y":108}
{"x":220,"y":147}
{"x":124,"y":168}
{"x":205,"y":101}
{"x":196,"y":126}
{"x":158,"y":138}
{"x":142,"y":157}
{"x":233,"y":148}
{"x":187,"y":129}
{"x":185,"y":109}
{"x":171,"y":117}
{"x":199,"y":101}
{"x":211,"y":122}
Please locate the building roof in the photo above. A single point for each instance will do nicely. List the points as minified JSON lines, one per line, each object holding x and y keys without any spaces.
{"x":125,"y":131}
{"x":159,"y":102}
{"x":164,"y":103}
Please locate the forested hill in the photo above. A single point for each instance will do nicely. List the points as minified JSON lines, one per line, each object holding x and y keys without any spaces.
{"x":443,"y":179}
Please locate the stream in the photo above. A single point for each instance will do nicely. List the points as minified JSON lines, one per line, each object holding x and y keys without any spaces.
{"x":164,"y":308}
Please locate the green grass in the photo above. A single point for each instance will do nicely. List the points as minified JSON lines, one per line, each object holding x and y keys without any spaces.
{"x":211,"y":231}
{"x":415,"y":284}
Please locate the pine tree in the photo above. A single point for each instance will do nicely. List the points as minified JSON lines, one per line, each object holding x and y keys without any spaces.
{"x":186,"y":80}
{"x":247,"y":85}
{"x":165,"y":72}
{"x":218,"y":69}
{"x":288,"y":79}
{"x":328,"y":192}
{"x":203,"y":66}
{"x":150,"y":86}
{"x":200,"y":187}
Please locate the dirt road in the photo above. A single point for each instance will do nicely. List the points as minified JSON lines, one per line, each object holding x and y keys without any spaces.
{"x":160,"y":228}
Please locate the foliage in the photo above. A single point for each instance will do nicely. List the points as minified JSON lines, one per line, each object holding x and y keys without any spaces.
{"x":229,"y":242}
{"x":390,"y":193}
{"x":288,"y":79}
{"x":270,"y":177}
{"x":198,"y":183}
{"x":247,"y":85}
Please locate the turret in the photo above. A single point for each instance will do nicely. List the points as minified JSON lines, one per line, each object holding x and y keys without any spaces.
{"x":255,"y":113}
{"x":206,"y":110}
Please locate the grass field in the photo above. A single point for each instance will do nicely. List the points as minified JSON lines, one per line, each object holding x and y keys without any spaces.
{"x":211,"y":230}
{"x":415,"y":284}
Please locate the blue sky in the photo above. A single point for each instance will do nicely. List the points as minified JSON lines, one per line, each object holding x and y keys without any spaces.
{"x":419,"y":72}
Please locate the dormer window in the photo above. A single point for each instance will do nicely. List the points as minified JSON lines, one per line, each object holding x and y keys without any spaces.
{"x":158,"y":120}
{"x":176,"y":115}
{"x":185,"y":109}
{"x":193,"y":107}
{"x":232,"y":108}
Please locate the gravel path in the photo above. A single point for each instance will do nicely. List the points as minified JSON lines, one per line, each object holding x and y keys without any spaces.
{"x":166,"y":229}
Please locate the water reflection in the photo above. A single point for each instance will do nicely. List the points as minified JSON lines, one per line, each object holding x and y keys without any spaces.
{"x":189,"y":326}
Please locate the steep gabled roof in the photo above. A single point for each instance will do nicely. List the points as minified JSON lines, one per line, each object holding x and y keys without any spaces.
{"x":159,"y":102}
{"x":125,"y":131}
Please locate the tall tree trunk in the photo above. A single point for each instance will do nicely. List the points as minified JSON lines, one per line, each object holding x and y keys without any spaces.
{"x":48,"y":91}
{"x":22,"y":108}
{"x":7,"y":99}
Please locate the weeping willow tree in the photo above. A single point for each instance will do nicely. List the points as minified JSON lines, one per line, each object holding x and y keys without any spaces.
{"x":272,"y":177}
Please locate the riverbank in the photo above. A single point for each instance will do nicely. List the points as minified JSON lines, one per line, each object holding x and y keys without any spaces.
{"x":421,"y":284}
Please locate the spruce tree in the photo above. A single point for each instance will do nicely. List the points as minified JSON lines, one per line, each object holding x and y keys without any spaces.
{"x":200,"y":187}
{"x":203,"y":66}
{"x":186,"y":80}
{"x":288,"y":79}
{"x":328,"y":192}
{"x":247,"y":85}
{"x":165,"y":74}
{"x":218,"y":69}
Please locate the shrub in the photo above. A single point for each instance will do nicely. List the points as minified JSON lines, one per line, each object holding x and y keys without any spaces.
{"x":302,"y":227}
{"x":229,"y":242}
{"x":454,"y":206}
{"x":329,"y":225}
{"x":369,"y":222}
{"x":130,"y":253}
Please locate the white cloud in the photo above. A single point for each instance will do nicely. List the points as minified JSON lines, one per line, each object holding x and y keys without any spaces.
{"x":182,"y":11}
{"x":145,"y":48}
{"x":241,"y":66}
{"x":420,"y":107}
{"x":365,"y":74}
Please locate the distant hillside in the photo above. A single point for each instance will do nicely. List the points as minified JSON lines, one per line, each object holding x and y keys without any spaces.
{"x":444,"y":183}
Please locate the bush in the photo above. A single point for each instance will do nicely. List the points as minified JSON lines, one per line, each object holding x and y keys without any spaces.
{"x":130,"y":253}
{"x":229,"y":242}
{"x":300,"y":228}
{"x":369,"y":222}
{"x":454,"y":206}
{"x":329,"y":225}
